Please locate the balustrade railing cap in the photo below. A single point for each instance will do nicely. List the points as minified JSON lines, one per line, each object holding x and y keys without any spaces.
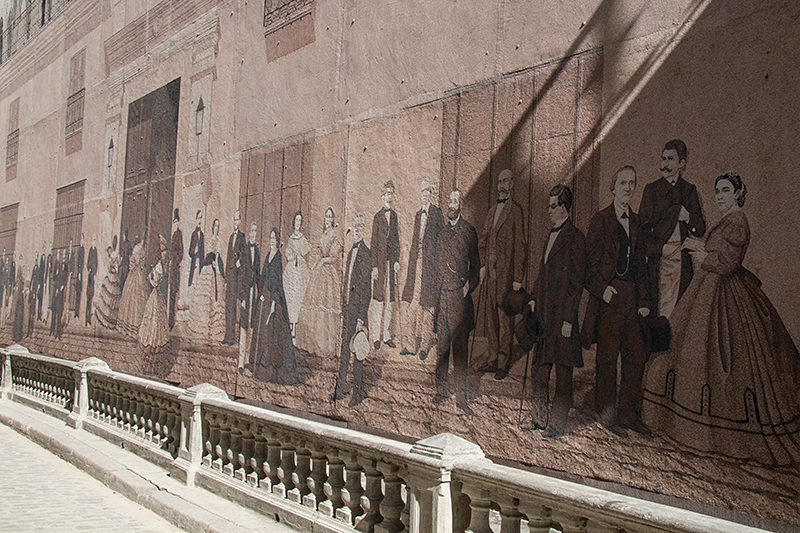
{"x":15,"y":348}
{"x":203,"y":391}
{"x":94,"y":363}
{"x":447,"y":447}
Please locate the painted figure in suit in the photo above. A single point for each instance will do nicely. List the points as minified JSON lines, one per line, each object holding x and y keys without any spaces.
{"x":79,"y":263}
{"x":233,"y":267}
{"x":11,"y":280}
{"x":504,"y":251}
{"x":557,"y":296}
{"x":385,"y":264}
{"x":419,"y":292}
{"x":670,"y":212}
{"x":356,"y":295}
{"x":174,"y":266}
{"x":32,"y":291}
{"x":617,"y":281}
{"x":3,"y":277}
{"x":40,"y":283}
{"x":197,"y":248}
{"x":91,"y":272}
{"x":125,"y":252}
{"x":249,"y":291}
{"x":18,"y":304}
{"x":457,"y":275}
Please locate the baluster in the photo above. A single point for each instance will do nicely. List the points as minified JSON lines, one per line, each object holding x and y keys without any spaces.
{"x":256,"y":475}
{"x":539,"y":518}
{"x":271,"y":465}
{"x":300,"y":475}
{"x":127,"y":402}
{"x":479,"y":514}
{"x":392,"y":505}
{"x":119,"y":404}
{"x":136,"y":404}
{"x":173,"y":428}
{"x":405,"y":514}
{"x":245,"y":452}
{"x":221,"y":450}
{"x":316,"y":481}
{"x":510,"y":517}
{"x":352,"y":492}
{"x":571,"y":523}
{"x":150,"y":412}
{"x":235,"y":446}
{"x":333,"y":487}
{"x":159,"y":435}
{"x":371,"y":500}
{"x":212,"y":439}
{"x":285,"y":471}
{"x":140,"y":417}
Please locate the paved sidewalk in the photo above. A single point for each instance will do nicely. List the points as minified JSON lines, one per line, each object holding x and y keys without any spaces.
{"x":40,"y":492}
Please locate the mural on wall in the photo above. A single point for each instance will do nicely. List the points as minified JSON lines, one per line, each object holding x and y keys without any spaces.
{"x":485,"y":278}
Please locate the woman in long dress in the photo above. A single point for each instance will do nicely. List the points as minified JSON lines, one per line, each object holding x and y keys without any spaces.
{"x":107,"y":308}
{"x":272,"y":351}
{"x":319,"y":324}
{"x":154,"y":329}
{"x":295,"y":278}
{"x":730,"y":382}
{"x":207,"y":312}
{"x":134,"y":294}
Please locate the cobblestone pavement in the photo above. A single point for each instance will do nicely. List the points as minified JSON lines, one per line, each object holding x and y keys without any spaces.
{"x":40,"y":492}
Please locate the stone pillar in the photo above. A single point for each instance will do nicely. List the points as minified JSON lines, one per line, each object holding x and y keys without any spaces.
{"x":434,"y":485}
{"x":190,"y":448}
{"x":80,"y":398}
{"x":6,"y":389}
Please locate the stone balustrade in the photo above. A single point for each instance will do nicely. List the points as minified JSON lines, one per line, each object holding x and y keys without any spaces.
{"x":319,"y":477}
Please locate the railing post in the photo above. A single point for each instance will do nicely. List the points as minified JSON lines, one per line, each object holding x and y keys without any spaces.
{"x":80,"y":398}
{"x":6,"y":388}
{"x":190,"y":448}
{"x":429,"y":485}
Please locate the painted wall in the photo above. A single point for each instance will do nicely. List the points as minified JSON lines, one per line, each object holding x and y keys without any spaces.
{"x":322,"y":112}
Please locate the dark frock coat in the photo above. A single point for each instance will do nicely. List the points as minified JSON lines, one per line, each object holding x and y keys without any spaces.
{"x":385,"y":246}
{"x":558,"y":292}
{"x":425,"y":245}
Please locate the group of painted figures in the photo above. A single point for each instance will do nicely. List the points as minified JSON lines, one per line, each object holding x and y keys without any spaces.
{"x":49,"y":291}
{"x":729,"y":382}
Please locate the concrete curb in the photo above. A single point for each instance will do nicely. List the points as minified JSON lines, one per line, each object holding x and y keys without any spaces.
{"x":191,"y":509}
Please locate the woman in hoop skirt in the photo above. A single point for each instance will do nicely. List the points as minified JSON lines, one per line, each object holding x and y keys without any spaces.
{"x":730,"y":382}
{"x":272,"y":350}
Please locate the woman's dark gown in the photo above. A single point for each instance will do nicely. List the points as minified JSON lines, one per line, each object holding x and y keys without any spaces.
{"x":272,"y":350}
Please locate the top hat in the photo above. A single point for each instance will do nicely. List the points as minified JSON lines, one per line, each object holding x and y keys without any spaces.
{"x":515,"y":301}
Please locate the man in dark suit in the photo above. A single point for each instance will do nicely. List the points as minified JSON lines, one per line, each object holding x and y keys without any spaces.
{"x":233,"y":279}
{"x":197,"y":247}
{"x":32,"y":290}
{"x":174,"y":267}
{"x":670,"y":211}
{"x":504,"y":251}
{"x":356,"y":295}
{"x":617,"y":280}
{"x":91,"y":272}
{"x":457,"y":275}
{"x":385,"y":264}
{"x":125,"y":252}
{"x":80,"y":256}
{"x":11,"y":279}
{"x":419,"y":292}
{"x":557,"y":295}
{"x":59,"y":289}
{"x":40,"y":283}
{"x":249,"y":291}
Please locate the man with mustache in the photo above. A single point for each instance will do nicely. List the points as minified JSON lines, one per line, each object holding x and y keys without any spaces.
{"x":670,"y":211}
{"x":616,"y":278}
{"x":457,"y":275}
{"x":502,"y":245}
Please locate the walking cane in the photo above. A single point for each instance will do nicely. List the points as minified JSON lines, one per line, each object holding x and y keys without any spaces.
{"x":524,"y":382}
{"x":472,"y":346}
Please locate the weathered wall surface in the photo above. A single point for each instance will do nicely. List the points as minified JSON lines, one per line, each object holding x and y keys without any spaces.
{"x":321,"y":113}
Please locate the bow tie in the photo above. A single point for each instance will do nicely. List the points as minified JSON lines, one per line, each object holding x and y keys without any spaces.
{"x":355,"y":246}
{"x":499,"y":201}
{"x":557,"y":229}
{"x":624,"y":215}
